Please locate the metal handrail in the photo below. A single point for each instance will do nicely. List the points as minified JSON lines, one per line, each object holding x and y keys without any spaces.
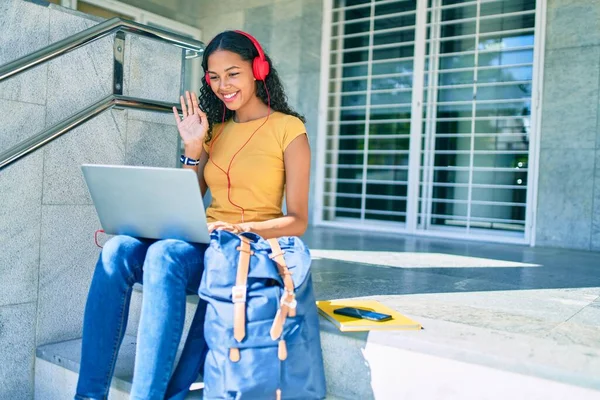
{"x":94,"y":33}
{"x":29,"y":145}
{"x":193,"y":49}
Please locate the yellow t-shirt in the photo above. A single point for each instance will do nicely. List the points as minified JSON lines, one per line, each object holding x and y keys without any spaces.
{"x":257,"y":173}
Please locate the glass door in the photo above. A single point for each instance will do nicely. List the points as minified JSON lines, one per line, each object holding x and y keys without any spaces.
{"x":429,"y":117}
{"x":369,"y":111}
{"x":478,"y":85}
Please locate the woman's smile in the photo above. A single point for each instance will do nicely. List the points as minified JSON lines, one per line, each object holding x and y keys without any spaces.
{"x":230,"y":97}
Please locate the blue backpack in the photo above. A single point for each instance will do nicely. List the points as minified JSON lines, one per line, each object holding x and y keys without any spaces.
{"x":262,"y":326}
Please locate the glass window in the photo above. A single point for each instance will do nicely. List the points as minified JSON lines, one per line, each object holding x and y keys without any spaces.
{"x":477,"y":91}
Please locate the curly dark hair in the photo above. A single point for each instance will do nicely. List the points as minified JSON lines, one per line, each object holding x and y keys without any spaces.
{"x":240,"y":44}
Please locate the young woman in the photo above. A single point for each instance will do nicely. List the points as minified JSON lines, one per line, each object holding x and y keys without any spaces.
{"x":249,"y":148}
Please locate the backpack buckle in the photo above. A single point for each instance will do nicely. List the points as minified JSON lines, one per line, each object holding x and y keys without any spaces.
{"x":291,"y":304}
{"x":238,"y":294}
{"x":275,"y":255}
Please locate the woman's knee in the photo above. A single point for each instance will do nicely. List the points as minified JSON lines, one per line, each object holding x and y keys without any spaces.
{"x":120,"y":245}
{"x":165,"y":256}
{"x":124,"y":253}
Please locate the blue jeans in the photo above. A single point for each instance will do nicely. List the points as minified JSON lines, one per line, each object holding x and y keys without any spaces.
{"x":168,"y":269}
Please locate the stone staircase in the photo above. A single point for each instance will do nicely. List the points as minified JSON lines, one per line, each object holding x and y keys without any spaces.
{"x":57,"y":364}
{"x":446,"y":360}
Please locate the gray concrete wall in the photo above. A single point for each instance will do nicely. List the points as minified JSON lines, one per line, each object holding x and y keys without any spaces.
{"x":569,"y":172}
{"x":47,"y":220}
{"x":185,"y":11}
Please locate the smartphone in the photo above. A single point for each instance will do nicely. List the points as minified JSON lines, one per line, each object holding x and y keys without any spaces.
{"x":363,"y":314}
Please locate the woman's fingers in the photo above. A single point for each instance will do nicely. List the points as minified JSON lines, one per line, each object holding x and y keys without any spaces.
{"x":176,"y":114}
{"x":220,"y":225}
{"x":183,"y":108}
{"x":189,"y":103}
{"x":197,"y":110}
{"x":214,"y":225}
{"x":195,"y":104}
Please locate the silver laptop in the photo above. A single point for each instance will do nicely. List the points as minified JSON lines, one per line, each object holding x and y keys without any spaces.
{"x":148,"y":202}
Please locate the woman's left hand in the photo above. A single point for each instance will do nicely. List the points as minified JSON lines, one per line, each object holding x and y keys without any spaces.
{"x":225,"y":226}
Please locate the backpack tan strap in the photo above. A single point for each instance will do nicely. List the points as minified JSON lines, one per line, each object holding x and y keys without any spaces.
{"x":238,"y":292}
{"x":288,"y":300}
{"x":234,"y":354}
{"x":277,"y":256}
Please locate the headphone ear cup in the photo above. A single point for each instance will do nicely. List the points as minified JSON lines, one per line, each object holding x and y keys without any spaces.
{"x":260,"y":68}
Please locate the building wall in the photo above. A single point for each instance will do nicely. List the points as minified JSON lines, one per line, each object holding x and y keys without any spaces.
{"x":47,"y":219}
{"x":184,"y":11}
{"x":568,"y":206}
{"x":568,"y":212}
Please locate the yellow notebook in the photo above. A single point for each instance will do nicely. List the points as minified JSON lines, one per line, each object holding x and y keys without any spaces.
{"x":349,"y":324}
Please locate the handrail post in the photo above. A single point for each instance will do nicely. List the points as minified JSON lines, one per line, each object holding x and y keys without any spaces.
{"x":182,"y":93}
{"x":116,"y":99}
{"x":119,"y":58}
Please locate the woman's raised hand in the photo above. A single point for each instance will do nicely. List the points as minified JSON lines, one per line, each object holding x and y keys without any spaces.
{"x":194,"y":125}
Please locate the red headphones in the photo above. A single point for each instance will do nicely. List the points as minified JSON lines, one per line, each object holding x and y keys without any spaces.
{"x":260,"y":65}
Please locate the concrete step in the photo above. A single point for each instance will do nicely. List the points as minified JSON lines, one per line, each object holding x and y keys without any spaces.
{"x":57,"y":371}
{"x":447,"y":360}
{"x":377,"y":365}
{"x":57,"y":367}
{"x":456,"y":361}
